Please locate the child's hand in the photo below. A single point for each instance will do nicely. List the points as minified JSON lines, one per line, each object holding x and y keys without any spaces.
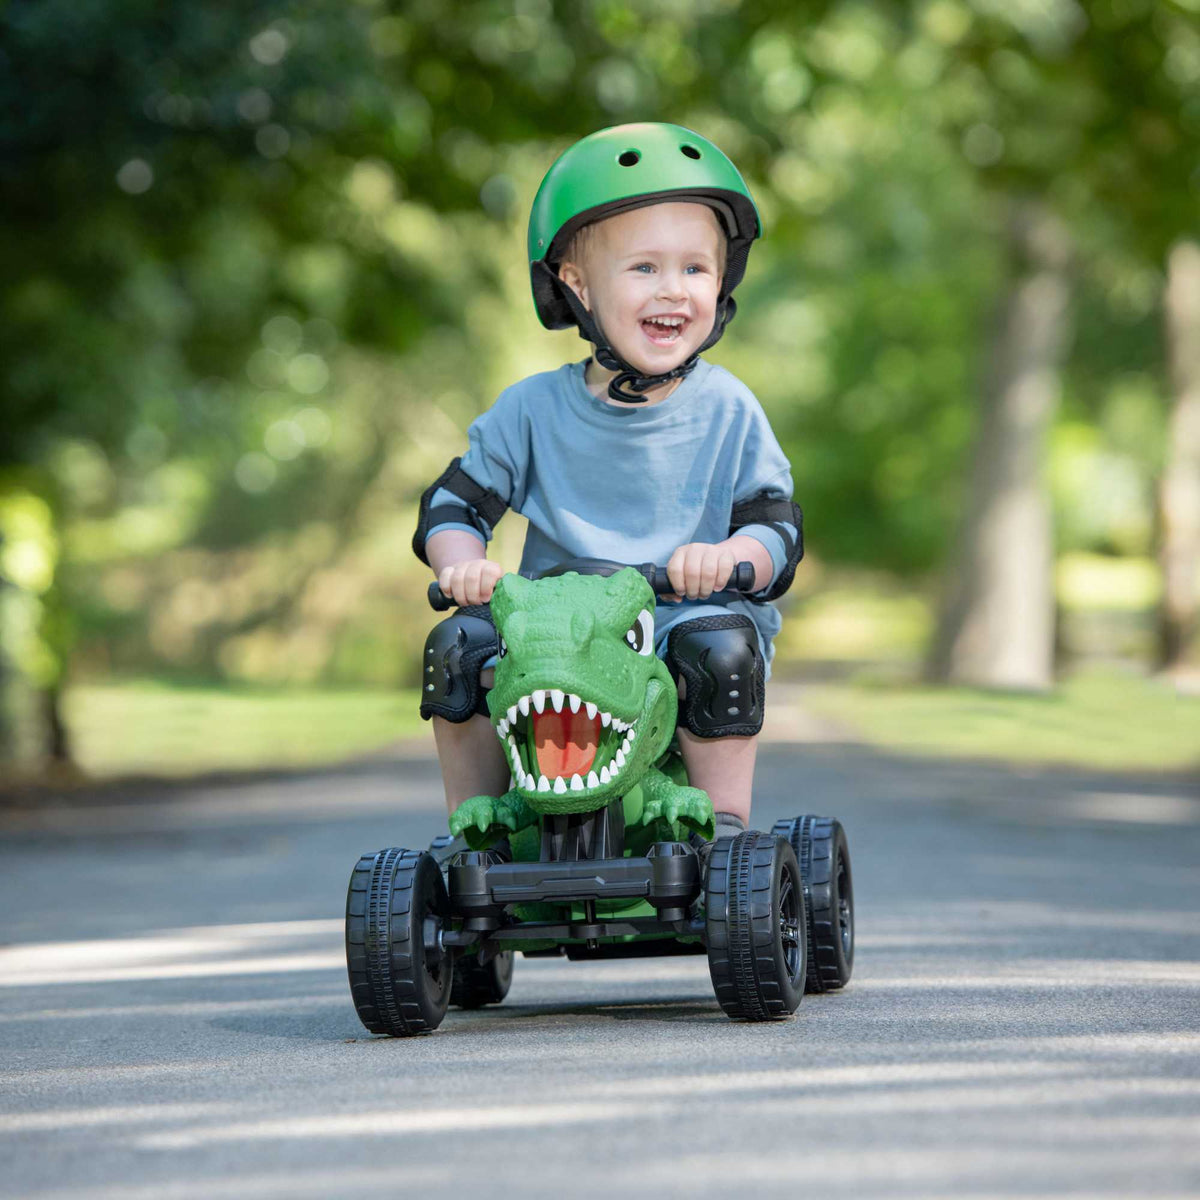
{"x":470,"y":582}
{"x":699,"y":569}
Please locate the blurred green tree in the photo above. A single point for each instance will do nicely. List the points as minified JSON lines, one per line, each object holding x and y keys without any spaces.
{"x":206,"y":201}
{"x":1079,"y":121}
{"x":263,"y":264}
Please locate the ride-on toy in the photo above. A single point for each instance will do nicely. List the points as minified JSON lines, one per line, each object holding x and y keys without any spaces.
{"x":599,"y":848}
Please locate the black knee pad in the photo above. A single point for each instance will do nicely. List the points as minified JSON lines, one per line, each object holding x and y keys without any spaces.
{"x":455,"y":652}
{"x":719,"y":659}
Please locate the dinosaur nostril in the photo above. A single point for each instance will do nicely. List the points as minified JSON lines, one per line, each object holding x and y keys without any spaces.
{"x":583,"y":627}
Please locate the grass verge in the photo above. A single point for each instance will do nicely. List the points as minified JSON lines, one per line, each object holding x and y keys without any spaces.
{"x":1095,"y":719}
{"x":153,"y":728}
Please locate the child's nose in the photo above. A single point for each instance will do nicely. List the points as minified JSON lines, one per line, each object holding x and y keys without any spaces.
{"x":670,"y":285}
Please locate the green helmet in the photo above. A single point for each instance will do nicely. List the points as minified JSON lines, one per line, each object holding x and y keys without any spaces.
{"x":630,"y":166}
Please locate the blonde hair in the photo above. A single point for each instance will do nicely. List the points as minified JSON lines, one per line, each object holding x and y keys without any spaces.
{"x":580,"y":243}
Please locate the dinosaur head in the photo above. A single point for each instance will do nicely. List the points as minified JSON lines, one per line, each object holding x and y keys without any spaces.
{"x":581,"y":702}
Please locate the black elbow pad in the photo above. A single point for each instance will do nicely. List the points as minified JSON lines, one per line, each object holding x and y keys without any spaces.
{"x":777,"y":514}
{"x":484,"y":506}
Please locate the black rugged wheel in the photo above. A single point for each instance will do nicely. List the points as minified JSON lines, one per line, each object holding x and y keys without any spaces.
{"x":400,"y":977}
{"x":755,"y":926}
{"x":824,"y":856}
{"x":476,"y":985}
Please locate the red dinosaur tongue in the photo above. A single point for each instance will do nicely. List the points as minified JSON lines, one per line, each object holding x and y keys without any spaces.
{"x":566,"y":742}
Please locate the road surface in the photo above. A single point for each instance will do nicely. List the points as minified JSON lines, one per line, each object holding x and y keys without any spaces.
{"x":1024,"y":1018}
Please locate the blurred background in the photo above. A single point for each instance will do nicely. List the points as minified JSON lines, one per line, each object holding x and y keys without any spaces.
{"x":263,"y":264}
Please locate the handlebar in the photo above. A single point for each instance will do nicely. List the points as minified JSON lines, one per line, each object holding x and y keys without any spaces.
{"x":741,"y":582}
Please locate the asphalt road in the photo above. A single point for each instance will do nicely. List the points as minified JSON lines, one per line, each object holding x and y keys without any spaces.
{"x":1024,"y":1018}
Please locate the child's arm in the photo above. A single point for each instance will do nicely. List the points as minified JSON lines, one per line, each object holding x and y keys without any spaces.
{"x":460,"y":509}
{"x":459,"y":560}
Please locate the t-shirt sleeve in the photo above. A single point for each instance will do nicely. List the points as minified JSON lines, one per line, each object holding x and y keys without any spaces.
{"x":497,"y":458}
{"x":765,"y":473}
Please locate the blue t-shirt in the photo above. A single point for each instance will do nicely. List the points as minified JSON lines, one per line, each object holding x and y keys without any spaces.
{"x":599,"y":480}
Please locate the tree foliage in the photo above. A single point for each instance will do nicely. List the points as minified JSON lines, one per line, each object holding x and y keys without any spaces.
{"x":265,"y":263}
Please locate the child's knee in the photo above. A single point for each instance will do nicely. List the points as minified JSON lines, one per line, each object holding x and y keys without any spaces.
{"x":452,"y":684}
{"x":720,"y":669}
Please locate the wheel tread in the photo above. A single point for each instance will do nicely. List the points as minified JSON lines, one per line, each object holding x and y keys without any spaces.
{"x":814,"y":839}
{"x":379,"y":953}
{"x":740,"y":929}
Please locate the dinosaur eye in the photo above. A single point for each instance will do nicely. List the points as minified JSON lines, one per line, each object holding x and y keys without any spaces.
{"x":503,"y":648}
{"x":640,"y":635}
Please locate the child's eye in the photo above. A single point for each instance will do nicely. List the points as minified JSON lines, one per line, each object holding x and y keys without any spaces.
{"x":650,"y":267}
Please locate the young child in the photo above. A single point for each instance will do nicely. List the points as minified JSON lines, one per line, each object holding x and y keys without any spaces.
{"x":643,"y":453}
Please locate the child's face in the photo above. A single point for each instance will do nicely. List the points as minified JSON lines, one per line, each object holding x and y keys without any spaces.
{"x":663,"y":260}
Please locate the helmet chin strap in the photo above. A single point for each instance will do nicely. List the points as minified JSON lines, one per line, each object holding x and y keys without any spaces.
{"x":629,"y":384}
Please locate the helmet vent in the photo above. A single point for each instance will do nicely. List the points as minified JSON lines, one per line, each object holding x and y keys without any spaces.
{"x":690,"y":151}
{"x":630,"y":158}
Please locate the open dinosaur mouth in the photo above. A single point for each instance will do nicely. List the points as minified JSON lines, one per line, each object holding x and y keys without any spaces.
{"x":557,"y":742}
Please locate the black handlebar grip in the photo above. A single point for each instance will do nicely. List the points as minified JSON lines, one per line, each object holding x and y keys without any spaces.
{"x":438,"y":600}
{"x":742,"y":580}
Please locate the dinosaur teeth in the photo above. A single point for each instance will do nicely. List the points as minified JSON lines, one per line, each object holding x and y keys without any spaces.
{"x":539,"y":699}
{"x":502,"y":728}
{"x":619,"y":759}
{"x":560,"y":785}
{"x":576,"y":783}
{"x":591,"y":710}
{"x":593,"y":780}
{"x":625,"y":746}
{"x":512,"y":715}
{"x":574,"y":701}
{"x":605,"y":774}
{"x":606,"y":719}
{"x":523,"y":705}
{"x":543,"y":784}
{"x":632,"y":734}
{"x":557,"y":698}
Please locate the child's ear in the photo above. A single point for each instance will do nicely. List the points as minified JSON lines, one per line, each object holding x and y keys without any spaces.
{"x":572,"y":276}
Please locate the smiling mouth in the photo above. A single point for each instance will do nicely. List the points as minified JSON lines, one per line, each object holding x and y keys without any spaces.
{"x":557,"y":742}
{"x":662,"y":333}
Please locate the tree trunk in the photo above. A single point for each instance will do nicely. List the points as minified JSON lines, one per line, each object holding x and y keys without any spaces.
{"x":1179,"y":490}
{"x":58,"y":745}
{"x":996,"y":627}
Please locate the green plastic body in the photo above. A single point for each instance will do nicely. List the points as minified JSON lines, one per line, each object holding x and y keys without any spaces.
{"x":572,"y":634}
